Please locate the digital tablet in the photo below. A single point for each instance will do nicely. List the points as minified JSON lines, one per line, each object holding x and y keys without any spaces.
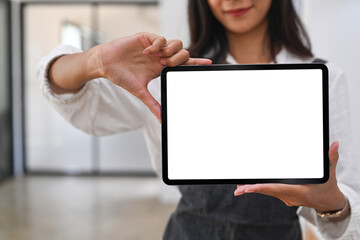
{"x":245,"y":124}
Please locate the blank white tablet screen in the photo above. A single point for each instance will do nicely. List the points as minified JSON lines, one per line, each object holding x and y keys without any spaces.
{"x":245,"y":124}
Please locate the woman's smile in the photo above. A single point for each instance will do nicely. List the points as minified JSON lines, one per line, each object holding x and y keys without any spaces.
{"x":238,"y":11}
{"x":240,"y":16}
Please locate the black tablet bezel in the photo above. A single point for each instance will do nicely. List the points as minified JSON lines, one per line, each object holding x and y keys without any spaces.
{"x":325,"y":98}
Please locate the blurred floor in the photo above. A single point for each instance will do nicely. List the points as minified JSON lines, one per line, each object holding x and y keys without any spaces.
{"x":82,"y":208}
{"x":91,"y":208}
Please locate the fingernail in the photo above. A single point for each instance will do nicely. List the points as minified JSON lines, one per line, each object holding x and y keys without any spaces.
{"x":158,"y":54}
{"x":145,"y":52}
{"x":163,"y":61}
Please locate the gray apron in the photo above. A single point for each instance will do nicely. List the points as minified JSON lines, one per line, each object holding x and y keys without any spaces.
{"x":213,"y":213}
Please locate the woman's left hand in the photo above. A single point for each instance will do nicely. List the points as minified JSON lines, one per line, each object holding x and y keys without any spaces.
{"x":323,"y":197}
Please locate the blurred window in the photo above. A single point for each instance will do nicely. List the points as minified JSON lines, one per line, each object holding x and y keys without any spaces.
{"x":51,"y":144}
{"x":71,"y":34}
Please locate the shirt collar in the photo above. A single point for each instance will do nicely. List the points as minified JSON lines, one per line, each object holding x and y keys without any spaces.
{"x":283,"y":56}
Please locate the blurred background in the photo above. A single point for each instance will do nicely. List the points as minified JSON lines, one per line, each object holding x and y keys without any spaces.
{"x":59,"y":183}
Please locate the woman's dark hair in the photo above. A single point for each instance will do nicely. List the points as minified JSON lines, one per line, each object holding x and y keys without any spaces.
{"x":208,"y":37}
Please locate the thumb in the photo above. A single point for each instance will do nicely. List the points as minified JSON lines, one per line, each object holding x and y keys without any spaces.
{"x":334,"y":154}
{"x":150,"y":102}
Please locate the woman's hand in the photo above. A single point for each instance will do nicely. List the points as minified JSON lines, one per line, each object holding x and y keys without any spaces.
{"x":130,"y":62}
{"x":323,"y":197}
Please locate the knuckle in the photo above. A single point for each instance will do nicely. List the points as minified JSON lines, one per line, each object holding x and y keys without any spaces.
{"x":177,"y":59}
{"x":162,"y":39}
{"x":186,"y":54}
{"x":171,"y":62}
{"x":166,"y":52}
{"x":289,"y":203}
{"x":141,"y":34}
{"x":178,"y":43}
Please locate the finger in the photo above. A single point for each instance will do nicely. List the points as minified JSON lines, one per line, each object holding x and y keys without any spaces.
{"x":154,"y":106}
{"x":198,"y":61}
{"x":334,"y":153}
{"x":240,"y":189}
{"x":177,"y":59}
{"x":157,"y":43}
{"x":275,"y":190}
{"x":171,"y":48}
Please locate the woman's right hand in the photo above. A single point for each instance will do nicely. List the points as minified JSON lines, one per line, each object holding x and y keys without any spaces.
{"x":132,"y":62}
{"x":129,"y":62}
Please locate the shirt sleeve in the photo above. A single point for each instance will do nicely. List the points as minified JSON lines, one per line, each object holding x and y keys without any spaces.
{"x":99,"y":108}
{"x":347,"y":169}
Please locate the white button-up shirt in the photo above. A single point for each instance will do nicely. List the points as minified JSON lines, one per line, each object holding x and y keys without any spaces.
{"x":102,"y":108}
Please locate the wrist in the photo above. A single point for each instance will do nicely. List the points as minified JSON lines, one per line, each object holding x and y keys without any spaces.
{"x":93,"y":68}
{"x":334,"y":202}
{"x":337,"y":215}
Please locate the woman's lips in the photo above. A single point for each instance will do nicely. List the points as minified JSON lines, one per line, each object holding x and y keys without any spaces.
{"x":238,"y":12}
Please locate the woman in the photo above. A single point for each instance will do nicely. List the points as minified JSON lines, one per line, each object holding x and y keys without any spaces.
{"x":265,"y":31}
{"x":227,"y":31}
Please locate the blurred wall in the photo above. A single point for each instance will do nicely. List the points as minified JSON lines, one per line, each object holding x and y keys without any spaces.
{"x":334,"y":30}
{"x":174,"y":21}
